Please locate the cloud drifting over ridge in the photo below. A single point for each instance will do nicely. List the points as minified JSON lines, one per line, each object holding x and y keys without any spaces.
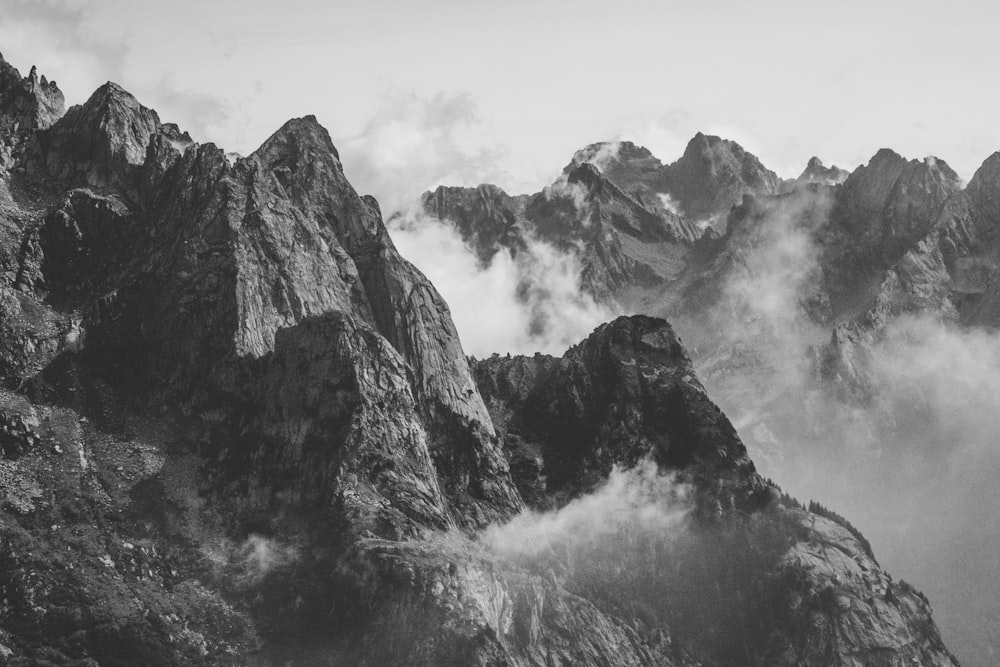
{"x":531,"y":303}
{"x":640,"y":500}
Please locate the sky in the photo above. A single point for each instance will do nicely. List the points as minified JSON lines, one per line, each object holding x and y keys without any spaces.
{"x":417,"y":94}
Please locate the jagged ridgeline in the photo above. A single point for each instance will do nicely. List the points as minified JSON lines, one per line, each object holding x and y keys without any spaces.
{"x":239,"y":428}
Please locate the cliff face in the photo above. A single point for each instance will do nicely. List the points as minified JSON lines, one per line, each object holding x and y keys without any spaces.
{"x":239,"y":428}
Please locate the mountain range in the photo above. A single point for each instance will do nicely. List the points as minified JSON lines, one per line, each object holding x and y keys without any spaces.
{"x":811,"y":306}
{"x":238,"y":427}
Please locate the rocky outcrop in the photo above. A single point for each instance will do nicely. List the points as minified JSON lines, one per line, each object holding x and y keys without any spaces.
{"x":27,"y":104}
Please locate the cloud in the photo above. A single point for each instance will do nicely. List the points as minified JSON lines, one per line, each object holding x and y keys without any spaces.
{"x":77,"y":55}
{"x":259,"y":555}
{"x":414,"y":144}
{"x":667,"y":202}
{"x":561,"y":188}
{"x":666,"y":136}
{"x":638,"y":500}
{"x":203,"y":115}
{"x":531,"y":303}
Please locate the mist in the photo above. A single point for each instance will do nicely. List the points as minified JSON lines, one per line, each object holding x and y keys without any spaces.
{"x":640,"y":499}
{"x":531,"y":303}
{"x":914,"y":468}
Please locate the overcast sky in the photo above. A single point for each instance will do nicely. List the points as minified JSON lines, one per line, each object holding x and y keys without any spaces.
{"x":418,"y":93}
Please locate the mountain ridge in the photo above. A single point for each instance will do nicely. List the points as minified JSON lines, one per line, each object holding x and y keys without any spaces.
{"x":239,"y":427}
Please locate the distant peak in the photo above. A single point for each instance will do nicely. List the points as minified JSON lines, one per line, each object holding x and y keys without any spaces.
{"x":886,"y":155}
{"x":817,"y":172}
{"x":305,"y":125}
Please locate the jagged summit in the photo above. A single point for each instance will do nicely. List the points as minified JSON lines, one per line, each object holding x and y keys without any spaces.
{"x":817,"y":172}
{"x":892,"y":200}
{"x":623,"y":162}
{"x":304,"y":130}
{"x":100,"y":142}
{"x":713,"y":174}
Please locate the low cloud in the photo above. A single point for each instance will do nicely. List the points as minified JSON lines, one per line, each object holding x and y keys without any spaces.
{"x":258,"y":555}
{"x":638,"y":500}
{"x":414,"y":144}
{"x":531,"y":303}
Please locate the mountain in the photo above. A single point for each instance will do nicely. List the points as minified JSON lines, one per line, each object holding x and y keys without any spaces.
{"x":239,"y":428}
{"x":817,"y":172}
{"x":842,"y":321}
{"x":713,"y":174}
{"x":624,"y":238}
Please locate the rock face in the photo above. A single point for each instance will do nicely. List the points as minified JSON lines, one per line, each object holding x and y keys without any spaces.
{"x":713,"y":175}
{"x":239,"y":428}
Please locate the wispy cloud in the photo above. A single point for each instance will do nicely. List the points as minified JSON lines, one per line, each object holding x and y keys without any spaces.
{"x":531,"y":303}
{"x":414,"y":144}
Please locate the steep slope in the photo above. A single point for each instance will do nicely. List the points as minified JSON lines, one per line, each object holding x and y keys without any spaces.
{"x":239,"y":428}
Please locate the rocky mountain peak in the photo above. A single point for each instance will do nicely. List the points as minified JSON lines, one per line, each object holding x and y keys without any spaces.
{"x":984,"y":188}
{"x":817,"y":172}
{"x":27,"y":103}
{"x":901,"y":197}
{"x":615,"y":157}
{"x":631,"y":167}
{"x":299,"y":139}
{"x":713,"y":174}
{"x":99,"y":143}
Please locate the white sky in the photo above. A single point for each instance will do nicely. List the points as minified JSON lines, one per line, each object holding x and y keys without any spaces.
{"x":416,"y":94}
